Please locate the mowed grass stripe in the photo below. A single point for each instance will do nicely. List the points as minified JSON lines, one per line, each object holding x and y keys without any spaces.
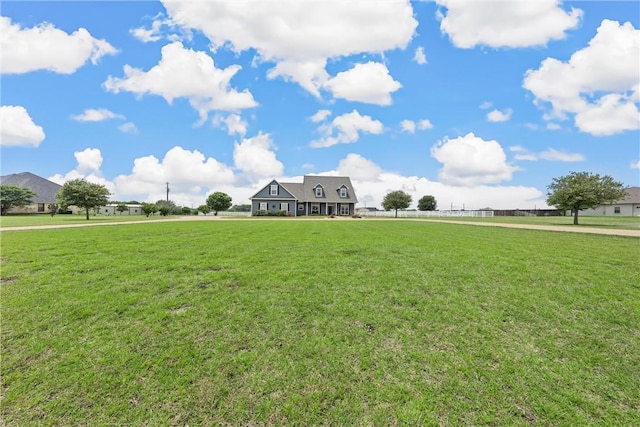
{"x":319,"y":322}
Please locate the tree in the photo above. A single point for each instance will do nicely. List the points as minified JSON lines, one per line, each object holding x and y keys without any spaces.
{"x":427,"y":203}
{"x":185,"y":210}
{"x":219,"y":201}
{"x":396,"y":200}
{"x":164,"y":210}
{"x":240,"y":208}
{"x":205,"y":209}
{"x":53,"y":209}
{"x":14,"y":195}
{"x":149,"y":208}
{"x":83,"y":194}
{"x":121,"y":208}
{"x":583,"y":190}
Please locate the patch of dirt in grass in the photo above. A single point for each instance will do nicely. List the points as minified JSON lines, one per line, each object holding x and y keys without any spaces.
{"x":180,"y":309}
{"x":9,"y":279}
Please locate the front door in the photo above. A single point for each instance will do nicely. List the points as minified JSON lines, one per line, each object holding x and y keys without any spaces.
{"x":329,"y":210}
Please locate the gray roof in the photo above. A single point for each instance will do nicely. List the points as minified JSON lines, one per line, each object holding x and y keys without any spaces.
{"x":295,"y":188}
{"x":633,"y":195}
{"x":45,"y":190}
{"x":331,"y":185}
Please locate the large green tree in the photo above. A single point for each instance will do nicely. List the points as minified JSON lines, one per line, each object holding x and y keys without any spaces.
{"x":14,"y":195}
{"x":583,"y":190}
{"x":83,"y":194}
{"x":427,"y":203}
{"x":218,"y":201}
{"x":396,"y":200}
{"x":149,"y":208}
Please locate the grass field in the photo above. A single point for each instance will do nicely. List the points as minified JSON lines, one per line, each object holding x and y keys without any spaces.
{"x":319,"y":323}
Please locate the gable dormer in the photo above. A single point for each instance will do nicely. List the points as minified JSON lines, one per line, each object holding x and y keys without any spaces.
{"x":318,"y":191}
{"x":343,"y":192}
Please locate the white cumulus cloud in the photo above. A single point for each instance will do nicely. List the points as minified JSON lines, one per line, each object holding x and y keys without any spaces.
{"x":96,"y":115}
{"x":17,"y":127}
{"x":44,"y":47}
{"x":420,"y":57}
{"x":234,"y":123}
{"x":470,"y":160}
{"x":499,"y":116}
{"x":300,"y":36}
{"x":369,"y":83}
{"x":425,"y":124}
{"x":372,"y":183}
{"x":599,"y":85}
{"x":408,"y":126}
{"x":189,"y":174}
{"x":359,"y":168}
{"x":185,"y":73}
{"x":256,"y":158}
{"x":346,"y":129}
{"x":128,"y":127}
{"x":89,"y":162}
{"x":320,"y":116}
{"x":471,"y":23}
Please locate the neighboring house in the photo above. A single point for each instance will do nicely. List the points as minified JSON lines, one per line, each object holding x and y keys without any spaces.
{"x":45,"y":191}
{"x":316,"y":195}
{"x":629,"y":206}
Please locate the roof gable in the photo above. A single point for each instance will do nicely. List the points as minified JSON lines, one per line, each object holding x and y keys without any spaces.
{"x":45,"y":190}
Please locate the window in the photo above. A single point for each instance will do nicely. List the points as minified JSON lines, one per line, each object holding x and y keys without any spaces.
{"x":344,"y":209}
{"x":274,"y":190}
{"x":40,"y":207}
{"x":315,"y":208}
{"x":616,"y":210}
{"x":343,"y":192}
{"x":263,"y":206}
{"x":284,"y":207}
{"x":318,"y":191}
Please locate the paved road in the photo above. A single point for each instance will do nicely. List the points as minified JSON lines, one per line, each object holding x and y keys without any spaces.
{"x":565,"y":228}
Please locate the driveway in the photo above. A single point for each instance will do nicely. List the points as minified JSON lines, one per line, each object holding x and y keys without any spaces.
{"x":565,"y":228}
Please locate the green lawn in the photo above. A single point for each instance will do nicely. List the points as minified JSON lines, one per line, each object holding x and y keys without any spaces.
{"x":319,"y":323}
{"x":37,"y":219}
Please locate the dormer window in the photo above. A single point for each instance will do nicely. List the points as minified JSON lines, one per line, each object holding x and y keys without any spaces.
{"x":318,"y":191}
{"x":343,"y":192}
{"x":274,"y":190}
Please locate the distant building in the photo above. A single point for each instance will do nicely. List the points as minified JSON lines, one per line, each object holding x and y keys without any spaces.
{"x":629,"y":206}
{"x":45,"y":191}
{"x":112,"y":209}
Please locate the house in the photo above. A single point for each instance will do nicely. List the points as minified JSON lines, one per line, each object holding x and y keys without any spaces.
{"x":316,"y":195}
{"x":629,"y":206}
{"x":45,"y":191}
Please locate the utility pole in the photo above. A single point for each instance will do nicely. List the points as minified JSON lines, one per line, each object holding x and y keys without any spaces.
{"x":167,"y":191}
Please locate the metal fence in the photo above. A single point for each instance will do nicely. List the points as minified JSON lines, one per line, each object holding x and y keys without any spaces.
{"x":424,"y":214}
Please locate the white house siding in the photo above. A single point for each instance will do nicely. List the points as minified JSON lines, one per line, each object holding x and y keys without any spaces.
{"x":632,"y":209}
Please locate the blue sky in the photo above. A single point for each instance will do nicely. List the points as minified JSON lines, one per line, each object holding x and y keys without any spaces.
{"x":478,"y":103}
